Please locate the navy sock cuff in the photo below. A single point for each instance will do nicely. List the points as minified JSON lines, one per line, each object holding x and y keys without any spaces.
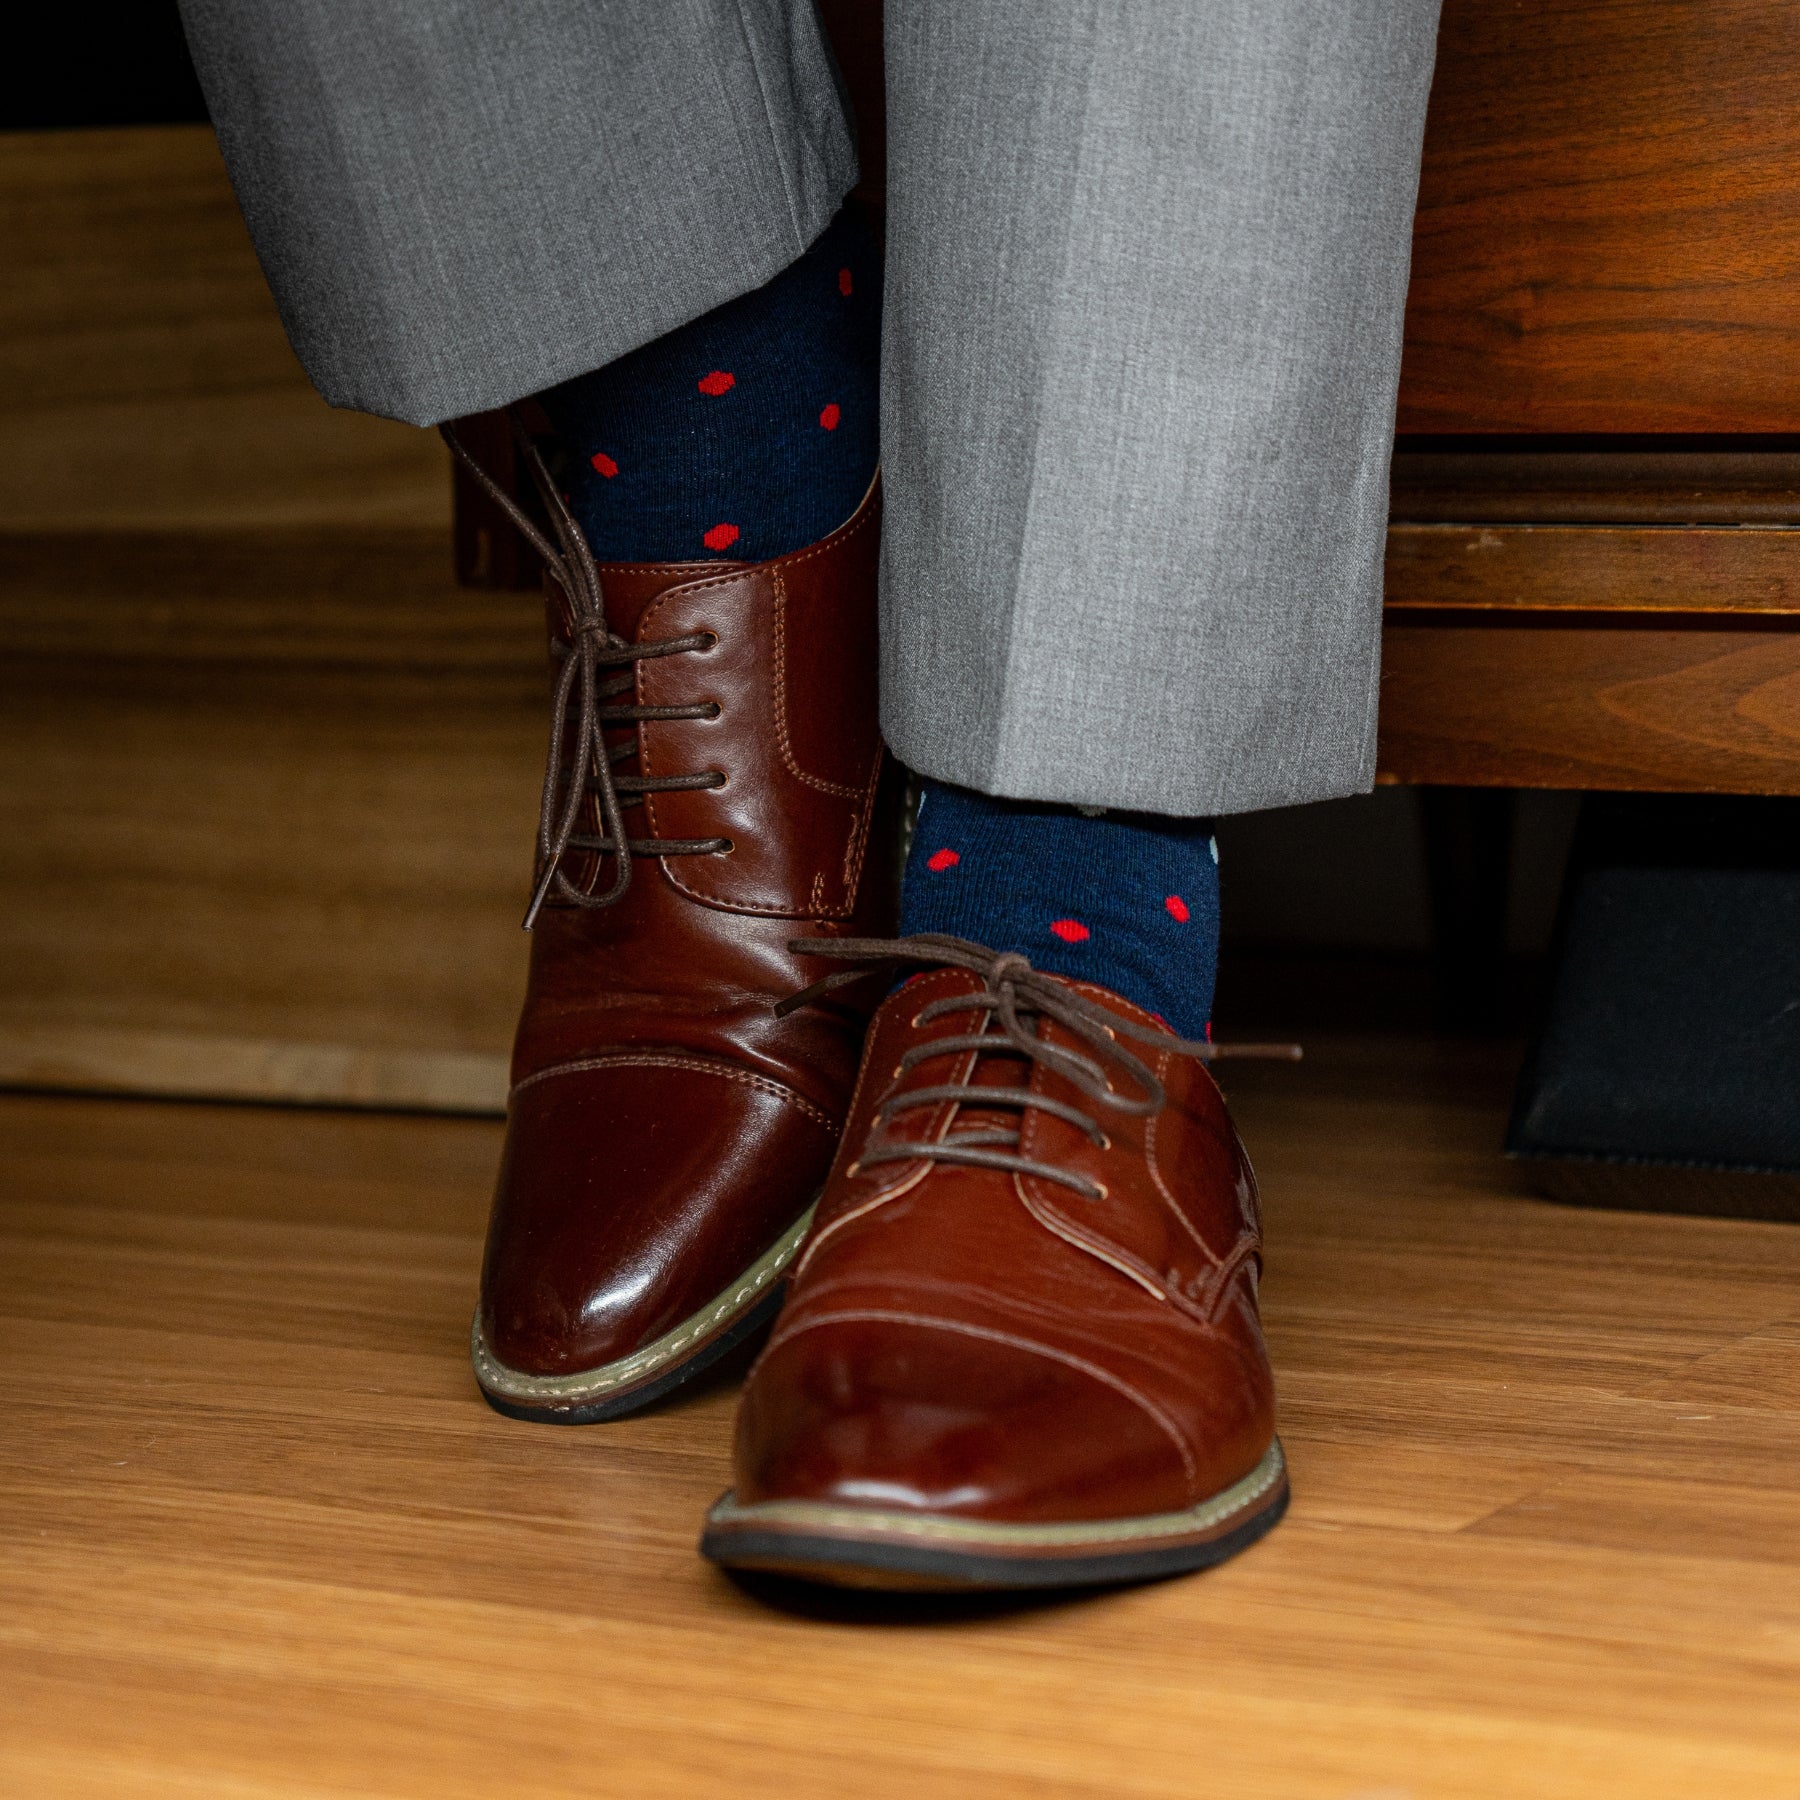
{"x":1127,"y":900}
{"x":746,"y":434}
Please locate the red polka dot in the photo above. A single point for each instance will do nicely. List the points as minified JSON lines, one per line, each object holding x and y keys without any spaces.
{"x":604,"y":464}
{"x":718,"y":382}
{"x":940,"y":860}
{"x":1178,"y":908}
{"x":830,"y":416}
{"x":1071,"y":931}
{"x":845,"y":284}
{"x":721,"y":537}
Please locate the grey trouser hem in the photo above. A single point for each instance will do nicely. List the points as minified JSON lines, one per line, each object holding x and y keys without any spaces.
{"x":1136,"y":517}
{"x":1147,"y":267}
{"x":459,"y":202}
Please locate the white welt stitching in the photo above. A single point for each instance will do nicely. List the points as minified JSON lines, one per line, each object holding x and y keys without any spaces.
{"x":1002,"y":1534}
{"x":516,"y":1385}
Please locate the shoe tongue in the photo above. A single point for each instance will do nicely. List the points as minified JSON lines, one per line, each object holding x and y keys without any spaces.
{"x":630,"y":587}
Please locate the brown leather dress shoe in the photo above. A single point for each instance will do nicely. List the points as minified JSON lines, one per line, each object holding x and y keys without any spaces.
{"x":668,"y":1132}
{"x":1021,"y":1347}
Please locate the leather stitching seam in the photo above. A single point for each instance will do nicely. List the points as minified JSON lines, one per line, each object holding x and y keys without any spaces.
{"x":882,"y":1315}
{"x":694,"y":1065}
{"x":1228,"y":1280}
{"x":515,"y":1384}
{"x":1162,"y":1187}
{"x":865,"y":516}
{"x":860,"y":821}
{"x":783,"y":741}
{"x":1092,"y":1245}
{"x":1043,"y":1208}
{"x":903,"y":1183}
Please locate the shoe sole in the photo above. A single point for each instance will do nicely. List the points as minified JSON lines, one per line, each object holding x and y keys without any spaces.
{"x":868,"y":1548}
{"x":630,"y":1383}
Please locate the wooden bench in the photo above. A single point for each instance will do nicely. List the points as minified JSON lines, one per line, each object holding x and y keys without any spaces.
{"x":1593,"y":570}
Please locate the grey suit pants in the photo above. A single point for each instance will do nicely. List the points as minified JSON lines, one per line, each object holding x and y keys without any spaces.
{"x":1146,"y":267}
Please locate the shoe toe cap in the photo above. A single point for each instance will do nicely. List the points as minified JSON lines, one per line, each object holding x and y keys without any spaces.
{"x":924,"y":1416}
{"x":630,"y":1196}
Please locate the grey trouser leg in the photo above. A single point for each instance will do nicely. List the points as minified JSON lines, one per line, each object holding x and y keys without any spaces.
{"x":1145,"y":283}
{"x":459,"y":202}
{"x":1147,"y":262}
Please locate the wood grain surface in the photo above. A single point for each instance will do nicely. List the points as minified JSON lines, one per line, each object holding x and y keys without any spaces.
{"x":266,"y":773}
{"x":266,"y":809}
{"x":1589,"y":705}
{"x":1616,"y":569}
{"x":260,"y":1539}
{"x":1608,"y":236}
{"x":1552,"y":480}
{"x":144,"y":377}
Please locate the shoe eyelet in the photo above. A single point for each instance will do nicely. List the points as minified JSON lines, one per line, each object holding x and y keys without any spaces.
{"x":1105,"y":1192}
{"x":899,"y":1072}
{"x":711,"y":644}
{"x":853,"y":1171}
{"x":726,"y":849}
{"x":713,"y":709}
{"x":719,"y":779}
{"x":1105,"y":1142}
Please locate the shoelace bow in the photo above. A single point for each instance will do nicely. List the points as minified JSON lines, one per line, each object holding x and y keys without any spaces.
{"x":593,"y":647}
{"x":1014,"y":1000}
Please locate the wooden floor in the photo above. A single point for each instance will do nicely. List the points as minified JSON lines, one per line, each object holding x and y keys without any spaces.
{"x":262,"y":1538}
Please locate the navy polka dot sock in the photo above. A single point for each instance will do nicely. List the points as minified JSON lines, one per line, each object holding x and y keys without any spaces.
{"x":1128,"y":900}
{"x":745,"y":434}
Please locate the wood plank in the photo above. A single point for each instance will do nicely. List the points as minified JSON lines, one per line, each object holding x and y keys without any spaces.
{"x":144,"y":377}
{"x":379,"y":598}
{"x":1553,"y":480}
{"x":266,"y":806}
{"x":111,"y":1058}
{"x":1641,"y":569}
{"x":1608,"y":236}
{"x":1509,"y":704}
{"x":259,"y":1537}
{"x":1647,"y":1515}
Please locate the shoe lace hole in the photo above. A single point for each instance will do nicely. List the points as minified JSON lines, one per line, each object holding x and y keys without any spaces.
{"x":712,"y":642}
{"x":719,"y":779}
{"x":713,"y":709}
{"x":726,"y":847}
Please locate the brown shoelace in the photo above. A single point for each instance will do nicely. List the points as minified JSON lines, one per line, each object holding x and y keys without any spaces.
{"x":1013,"y":1001}
{"x":593,"y":647}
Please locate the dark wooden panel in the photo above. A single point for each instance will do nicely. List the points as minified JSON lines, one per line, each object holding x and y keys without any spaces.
{"x":1594,"y":568}
{"x":1553,"y":480}
{"x":358,"y":597}
{"x":854,"y":28}
{"x":1499,"y":703}
{"x":1609,"y":226}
